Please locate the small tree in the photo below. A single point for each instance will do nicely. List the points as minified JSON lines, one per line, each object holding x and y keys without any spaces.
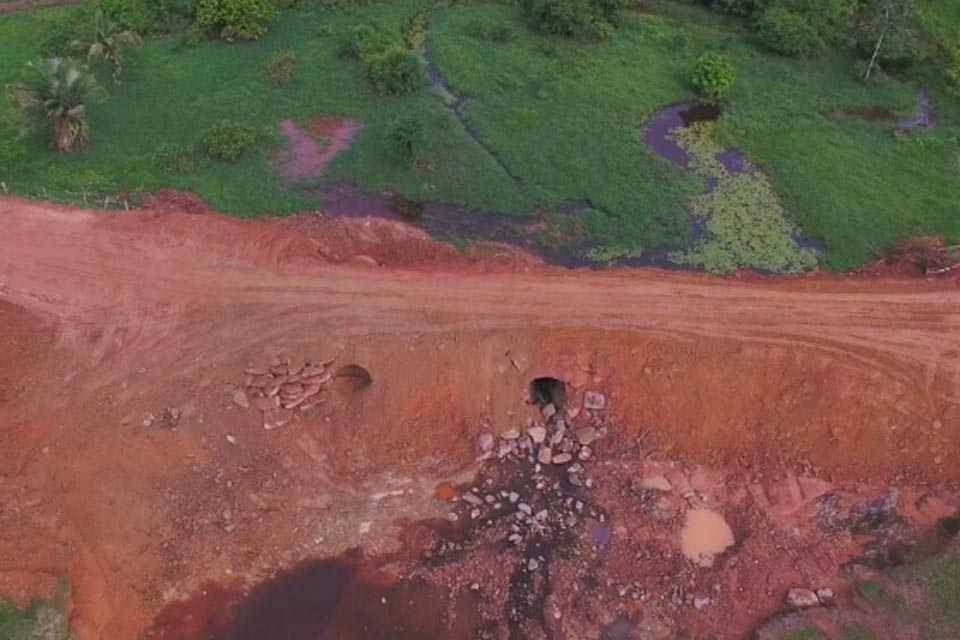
{"x":52,"y":95}
{"x":887,"y":25}
{"x":108,"y":43}
{"x":786,"y":32}
{"x":713,"y":75}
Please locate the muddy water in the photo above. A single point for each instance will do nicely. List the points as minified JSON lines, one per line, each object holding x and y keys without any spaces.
{"x":338,"y":599}
{"x":705,"y":535}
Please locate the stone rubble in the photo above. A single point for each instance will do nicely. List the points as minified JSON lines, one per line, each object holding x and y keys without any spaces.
{"x":547,"y":502}
{"x":279,"y":389}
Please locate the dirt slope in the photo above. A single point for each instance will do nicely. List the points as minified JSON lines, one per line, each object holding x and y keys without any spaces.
{"x":108,"y":319}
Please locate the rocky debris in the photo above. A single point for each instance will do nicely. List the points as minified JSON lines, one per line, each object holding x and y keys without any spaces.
{"x":485,"y":442}
{"x":825,"y":595}
{"x":168,"y":418}
{"x":657,"y":483}
{"x":594,"y":401}
{"x":532,"y":491}
{"x":701,"y":602}
{"x":240,"y":399}
{"x":279,"y":389}
{"x":800,"y":598}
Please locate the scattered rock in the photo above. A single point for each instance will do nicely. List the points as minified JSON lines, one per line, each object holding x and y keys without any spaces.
{"x":656,"y":482}
{"x":594,"y":401}
{"x":587,"y":435}
{"x":562,"y":458}
{"x":548,"y":410}
{"x":240,"y":399}
{"x":231,"y":439}
{"x":799,"y":598}
{"x":545,"y":455}
{"x":538,"y":434}
{"x":825,"y":595}
{"x":485,"y":442}
{"x":701,"y":602}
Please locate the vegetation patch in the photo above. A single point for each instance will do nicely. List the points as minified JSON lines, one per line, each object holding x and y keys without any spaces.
{"x":536,"y":119}
{"x":746,"y":226}
{"x":40,"y":621}
{"x":228,"y":140}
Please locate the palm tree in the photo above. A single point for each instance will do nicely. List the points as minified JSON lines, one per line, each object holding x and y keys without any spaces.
{"x":55,"y":92}
{"x":107,"y":43}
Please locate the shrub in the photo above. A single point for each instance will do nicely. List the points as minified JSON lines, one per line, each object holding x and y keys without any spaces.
{"x":713,"y":75}
{"x":558,"y":17}
{"x":391,"y":68}
{"x":574,"y":17}
{"x":174,"y":158}
{"x":407,"y":141}
{"x":67,"y":37}
{"x":786,"y":32}
{"x":498,"y":33}
{"x":235,"y":19}
{"x":414,"y":30}
{"x":953,"y":71}
{"x":395,"y":72}
{"x":281,"y":68}
{"x":368,"y":40}
{"x":147,"y":17}
{"x":228,"y":140}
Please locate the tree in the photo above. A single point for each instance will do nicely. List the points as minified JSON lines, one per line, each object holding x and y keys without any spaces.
{"x":887,"y":24}
{"x":108,"y":43}
{"x":53,"y":93}
{"x":713,"y":75}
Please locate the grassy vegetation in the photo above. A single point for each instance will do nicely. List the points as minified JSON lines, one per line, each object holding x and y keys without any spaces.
{"x":40,"y":621}
{"x":803,"y":634}
{"x":561,"y":118}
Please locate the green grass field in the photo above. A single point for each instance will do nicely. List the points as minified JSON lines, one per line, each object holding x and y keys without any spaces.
{"x":563,"y":117}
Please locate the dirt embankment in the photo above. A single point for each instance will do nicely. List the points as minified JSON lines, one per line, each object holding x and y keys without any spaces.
{"x":110,"y":321}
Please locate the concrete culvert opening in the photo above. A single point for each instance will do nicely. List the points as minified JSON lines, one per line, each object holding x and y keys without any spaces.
{"x":546,"y":390}
{"x":352,"y":377}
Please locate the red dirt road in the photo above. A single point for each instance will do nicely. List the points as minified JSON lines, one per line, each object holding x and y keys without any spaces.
{"x":106,"y":317}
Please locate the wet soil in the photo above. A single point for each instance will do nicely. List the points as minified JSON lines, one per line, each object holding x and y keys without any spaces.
{"x":310,"y":152}
{"x":343,"y":598}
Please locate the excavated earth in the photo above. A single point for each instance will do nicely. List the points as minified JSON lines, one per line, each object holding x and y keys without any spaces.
{"x":189,"y":436}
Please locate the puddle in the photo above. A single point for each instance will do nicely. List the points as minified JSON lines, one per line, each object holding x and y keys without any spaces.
{"x":658,"y":132}
{"x":311,"y":151}
{"x":924,"y":118}
{"x":343,"y":598}
{"x":705,"y":535}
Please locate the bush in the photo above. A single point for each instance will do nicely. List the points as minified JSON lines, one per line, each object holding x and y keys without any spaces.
{"x":281,"y":68}
{"x":786,"y":32}
{"x":574,"y":17}
{"x":228,"y":140}
{"x":407,"y":141}
{"x":953,"y":70}
{"x":147,"y":17}
{"x":498,"y":33}
{"x":69,"y":37}
{"x":391,"y":68}
{"x":713,"y":75}
{"x":395,"y":72}
{"x":235,"y":19}
{"x":174,"y":158}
